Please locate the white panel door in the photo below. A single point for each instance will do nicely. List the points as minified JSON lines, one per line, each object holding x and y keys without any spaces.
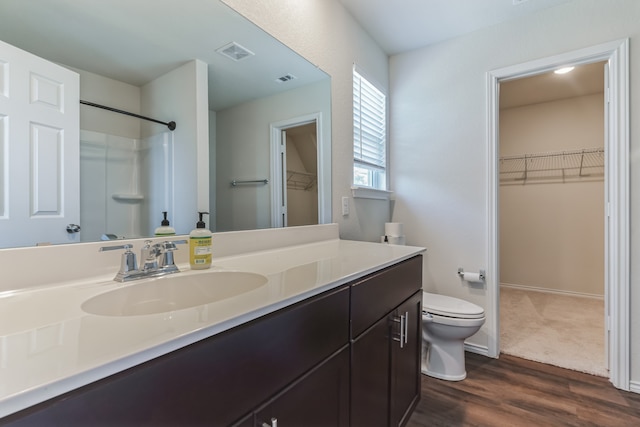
{"x":39,"y":150}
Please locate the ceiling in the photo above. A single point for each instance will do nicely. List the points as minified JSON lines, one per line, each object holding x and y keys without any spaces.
{"x":136,"y":41}
{"x":402,"y":25}
{"x":137,"y":46}
{"x":584,"y":80}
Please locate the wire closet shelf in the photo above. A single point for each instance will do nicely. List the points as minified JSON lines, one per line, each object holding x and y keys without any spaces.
{"x":573,"y":164}
{"x":300,"y":180}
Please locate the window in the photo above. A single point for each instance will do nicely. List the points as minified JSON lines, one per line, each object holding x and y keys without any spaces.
{"x":369,"y":134}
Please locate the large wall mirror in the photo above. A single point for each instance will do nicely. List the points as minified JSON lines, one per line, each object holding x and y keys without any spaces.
{"x":252,"y":143}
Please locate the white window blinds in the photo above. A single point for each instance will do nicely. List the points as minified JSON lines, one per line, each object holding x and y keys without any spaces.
{"x":369,"y":124}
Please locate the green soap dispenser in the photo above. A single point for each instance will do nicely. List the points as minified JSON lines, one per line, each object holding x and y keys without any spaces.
{"x":165,"y":229}
{"x":200,"y":245}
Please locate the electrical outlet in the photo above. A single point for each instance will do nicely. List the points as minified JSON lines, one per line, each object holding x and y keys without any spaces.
{"x":345,"y":206}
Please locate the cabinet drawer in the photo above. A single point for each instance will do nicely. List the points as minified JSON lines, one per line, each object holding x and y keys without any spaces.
{"x":319,"y":399}
{"x":376,"y":295}
{"x":212,"y":382}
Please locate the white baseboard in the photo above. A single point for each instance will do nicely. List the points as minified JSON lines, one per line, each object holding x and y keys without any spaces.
{"x":550,"y":291}
{"x":634,"y":386}
{"x":478,"y":349}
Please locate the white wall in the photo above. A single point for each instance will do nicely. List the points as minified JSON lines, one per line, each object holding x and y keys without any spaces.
{"x":243,"y":152}
{"x":439,"y":135}
{"x":327,"y":35}
{"x":181,"y":96}
{"x":156,"y":180}
{"x":552,"y":231}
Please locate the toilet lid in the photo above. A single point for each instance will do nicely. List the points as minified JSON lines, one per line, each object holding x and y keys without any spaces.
{"x":451,"y":307}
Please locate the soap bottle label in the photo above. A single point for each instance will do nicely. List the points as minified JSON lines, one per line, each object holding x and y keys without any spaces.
{"x":200,"y":250}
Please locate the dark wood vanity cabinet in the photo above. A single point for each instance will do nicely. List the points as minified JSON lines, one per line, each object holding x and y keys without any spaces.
{"x":386,"y":312}
{"x":349,"y":356}
{"x":405,"y":362}
{"x":214,"y":382}
{"x":319,"y":399}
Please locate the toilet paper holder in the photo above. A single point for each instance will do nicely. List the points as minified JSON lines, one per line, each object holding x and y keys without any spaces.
{"x":481,"y":274}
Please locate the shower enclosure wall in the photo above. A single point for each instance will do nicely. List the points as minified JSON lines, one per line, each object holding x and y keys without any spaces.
{"x":126,"y":184}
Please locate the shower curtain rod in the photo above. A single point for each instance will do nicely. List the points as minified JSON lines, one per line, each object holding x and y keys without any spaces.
{"x":170,"y":125}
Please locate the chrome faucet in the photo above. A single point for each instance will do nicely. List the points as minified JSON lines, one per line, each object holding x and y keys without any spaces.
{"x":157,"y":260}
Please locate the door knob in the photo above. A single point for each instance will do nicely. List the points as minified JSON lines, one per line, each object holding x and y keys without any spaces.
{"x":73,"y":228}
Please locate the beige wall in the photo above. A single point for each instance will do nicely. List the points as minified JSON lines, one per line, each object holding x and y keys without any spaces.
{"x":552,"y":232}
{"x":181,"y":95}
{"x":302,"y":203}
{"x":243,"y":143}
{"x":438,"y":134}
{"x":326,"y":34}
{"x":440,"y":146}
{"x":111,"y":93}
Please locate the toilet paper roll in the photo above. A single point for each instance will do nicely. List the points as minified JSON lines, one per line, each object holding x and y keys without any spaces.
{"x":393,"y":229}
{"x":471,"y":277}
{"x":396,"y":240}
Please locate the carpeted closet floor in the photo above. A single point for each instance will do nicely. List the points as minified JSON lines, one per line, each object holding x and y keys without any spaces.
{"x":560,"y":330}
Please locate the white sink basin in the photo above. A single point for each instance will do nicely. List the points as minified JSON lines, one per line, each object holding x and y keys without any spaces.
{"x":171,"y":293}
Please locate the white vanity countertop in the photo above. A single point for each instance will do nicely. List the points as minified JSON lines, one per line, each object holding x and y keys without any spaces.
{"x":49,"y":346}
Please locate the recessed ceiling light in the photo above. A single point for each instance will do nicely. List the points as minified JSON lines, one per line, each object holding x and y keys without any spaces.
{"x":563,"y":70}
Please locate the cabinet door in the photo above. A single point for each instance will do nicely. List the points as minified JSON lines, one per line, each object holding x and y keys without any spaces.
{"x":405,"y":359}
{"x":370,"y":376}
{"x":320,"y":398}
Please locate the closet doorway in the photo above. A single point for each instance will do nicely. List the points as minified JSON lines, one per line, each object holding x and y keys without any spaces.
{"x":301,"y":175}
{"x":617,"y":195}
{"x":297,"y":196}
{"x":552,"y":222}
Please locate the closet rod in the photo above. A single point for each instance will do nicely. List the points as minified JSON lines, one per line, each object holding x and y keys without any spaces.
{"x":170,"y":125}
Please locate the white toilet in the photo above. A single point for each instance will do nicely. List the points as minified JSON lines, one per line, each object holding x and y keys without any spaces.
{"x":446,"y":323}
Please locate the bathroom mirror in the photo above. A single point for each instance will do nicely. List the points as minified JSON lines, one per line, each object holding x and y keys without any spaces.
{"x":120,"y":47}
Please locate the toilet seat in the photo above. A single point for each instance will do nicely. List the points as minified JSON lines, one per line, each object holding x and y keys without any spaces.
{"x":452,"y":321}
{"x":442,"y":305}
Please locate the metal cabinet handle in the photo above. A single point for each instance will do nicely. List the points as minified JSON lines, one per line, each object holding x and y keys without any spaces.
{"x":406,"y":327}
{"x":403,"y":330}
{"x":274,"y":423}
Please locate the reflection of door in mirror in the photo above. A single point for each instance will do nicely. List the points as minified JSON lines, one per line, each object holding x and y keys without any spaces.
{"x":39,"y":182}
{"x":296,"y":172}
{"x":301,"y":175}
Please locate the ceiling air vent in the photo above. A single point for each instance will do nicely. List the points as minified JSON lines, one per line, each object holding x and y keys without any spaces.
{"x":234,"y":51}
{"x":286,"y":78}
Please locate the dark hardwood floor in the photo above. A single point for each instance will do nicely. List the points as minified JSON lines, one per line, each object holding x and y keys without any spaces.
{"x":510,"y":391}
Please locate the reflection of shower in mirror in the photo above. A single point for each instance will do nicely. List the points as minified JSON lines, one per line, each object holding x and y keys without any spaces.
{"x":125,"y":184}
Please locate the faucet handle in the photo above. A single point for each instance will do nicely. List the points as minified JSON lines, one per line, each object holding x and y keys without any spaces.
{"x":166,"y":260}
{"x":128,"y":261}
{"x":170,"y":245}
